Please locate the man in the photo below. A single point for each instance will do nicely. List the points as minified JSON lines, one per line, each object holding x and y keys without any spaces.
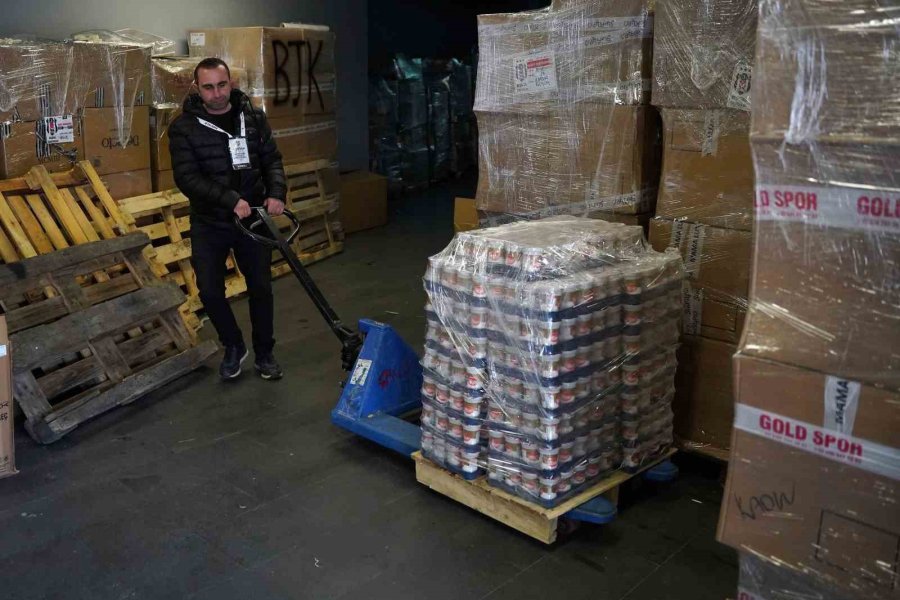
{"x":225,"y":161}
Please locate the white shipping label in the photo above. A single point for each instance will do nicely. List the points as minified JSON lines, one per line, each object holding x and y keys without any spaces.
{"x":841,"y":402}
{"x":59,"y":130}
{"x":361,"y":372}
{"x":739,"y":93}
{"x":535,"y":73}
{"x":870,"y":209}
{"x":711,"y":129}
{"x":843,"y":448}
{"x":198,"y":38}
{"x":3,"y":350}
{"x":693,"y":256}
{"x":692,"y":301}
{"x":677,"y":235}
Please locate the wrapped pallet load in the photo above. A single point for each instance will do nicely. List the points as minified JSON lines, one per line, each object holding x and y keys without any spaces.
{"x":549,"y":355}
{"x":813,"y":484}
{"x":560,"y":101}
{"x":702,"y":72}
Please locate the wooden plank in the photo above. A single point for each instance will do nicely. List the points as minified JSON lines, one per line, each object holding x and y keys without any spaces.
{"x":89,"y":232}
{"x":174,"y":252}
{"x":59,"y":205}
{"x":718,"y":454}
{"x":39,"y":313}
{"x":148,"y":204}
{"x":36,"y":202}
{"x":125,"y":224}
{"x":98,"y":218}
{"x":49,"y":263}
{"x":304,"y":167}
{"x":14,"y":229}
{"x":77,"y":374}
{"x":7,"y":250}
{"x":156,"y":231}
{"x":308,"y":258}
{"x":136,"y":350}
{"x":26,"y":183}
{"x":510,"y":513}
{"x":30,"y":224}
{"x":73,"y":332}
{"x":112,"y":288}
{"x":182,"y":336}
{"x":29,"y":396}
{"x":108,"y":355}
{"x":184,"y":264}
{"x":133,"y":387}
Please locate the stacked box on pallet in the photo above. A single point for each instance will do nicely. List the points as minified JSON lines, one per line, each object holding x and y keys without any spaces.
{"x":813,"y":481}
{"x":462,"y":119}
{"x":560,"y":101}
{"x":384,"y":147}
{"x":701,"y":82}
{"x":412,"y":130}
{"x":552,"y":343}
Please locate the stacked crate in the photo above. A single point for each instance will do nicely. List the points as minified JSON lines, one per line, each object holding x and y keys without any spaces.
{"x":550,"y":354}
{"x":701,"y":82}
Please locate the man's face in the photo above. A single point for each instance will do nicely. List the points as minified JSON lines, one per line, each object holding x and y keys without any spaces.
{"x":215,"y":87}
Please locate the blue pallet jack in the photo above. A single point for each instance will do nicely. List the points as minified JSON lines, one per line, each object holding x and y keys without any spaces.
{"x":385,"y":374}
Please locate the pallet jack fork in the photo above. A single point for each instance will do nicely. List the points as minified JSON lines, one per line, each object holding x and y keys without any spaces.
{"x":385,"y":374}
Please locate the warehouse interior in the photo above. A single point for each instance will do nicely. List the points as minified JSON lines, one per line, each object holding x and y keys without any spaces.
{"x":595,"y":299}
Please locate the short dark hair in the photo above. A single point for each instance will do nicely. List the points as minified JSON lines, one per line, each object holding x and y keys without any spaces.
{"x":211,"y":63}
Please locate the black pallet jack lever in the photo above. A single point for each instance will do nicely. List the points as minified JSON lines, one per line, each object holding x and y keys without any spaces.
{"x":271,"y":235}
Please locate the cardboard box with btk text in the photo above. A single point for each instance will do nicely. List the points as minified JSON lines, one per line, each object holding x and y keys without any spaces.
{"x":707,"y":168}
{"x":704,"y":394}
{"x":117,"y":141}
{"x":813,"y":480}
{"x":363,"y":201}
{"x":313,"y":137}
{"x":7,"y":443}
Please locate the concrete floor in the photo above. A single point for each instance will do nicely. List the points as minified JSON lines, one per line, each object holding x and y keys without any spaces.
{"x":245,"y":490}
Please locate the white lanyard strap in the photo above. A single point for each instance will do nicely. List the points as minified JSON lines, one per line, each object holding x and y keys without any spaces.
{"x":206,"y":123}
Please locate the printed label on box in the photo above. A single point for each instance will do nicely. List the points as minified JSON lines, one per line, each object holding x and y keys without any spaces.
{"x":859,"y":209}
{"x":535,"y":73}
{"x":739,"y":94}
{"x":711,"y":129}
{"x":841,"y":402}
{"x":846,"y":449}
{"x":693,"y":256}
{"x":59,"y":130}
{"x":692,"y":301}
{"x":198,"y":38}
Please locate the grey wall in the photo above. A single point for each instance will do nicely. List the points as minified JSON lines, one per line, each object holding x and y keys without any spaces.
{"x":172,"y":18}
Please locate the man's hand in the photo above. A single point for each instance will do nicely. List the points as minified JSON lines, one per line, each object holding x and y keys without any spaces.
{"x":274,"y":206}
{"x":242,"y":209}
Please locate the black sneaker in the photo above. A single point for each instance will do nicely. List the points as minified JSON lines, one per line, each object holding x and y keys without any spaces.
{"x":231,"y":363}
{"x":268,"y":368}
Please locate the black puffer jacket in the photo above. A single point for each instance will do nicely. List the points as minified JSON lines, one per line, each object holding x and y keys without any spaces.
{"x":202,"y":164}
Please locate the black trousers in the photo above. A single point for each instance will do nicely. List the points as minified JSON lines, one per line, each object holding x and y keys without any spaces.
{"x":210,"y":244}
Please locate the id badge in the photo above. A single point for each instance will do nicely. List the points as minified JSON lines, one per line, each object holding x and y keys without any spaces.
{"x":240,"y":155}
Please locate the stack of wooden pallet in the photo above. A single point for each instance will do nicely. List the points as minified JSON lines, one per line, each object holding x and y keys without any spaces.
{"x":163,"y":216}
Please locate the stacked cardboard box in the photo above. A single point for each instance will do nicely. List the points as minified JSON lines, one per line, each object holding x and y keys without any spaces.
{"x":701,"y":82}
{"x":290,"y":75}
{"x":172,"y":78}
{"x":812,"y":486}
{"x":560,"y":101}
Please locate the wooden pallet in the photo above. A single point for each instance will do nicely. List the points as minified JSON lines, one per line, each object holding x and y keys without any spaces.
{"x":531,"y":519}
{"x":83,"y":344}
{"x":707,"y":450}
{"x":163,"y":216}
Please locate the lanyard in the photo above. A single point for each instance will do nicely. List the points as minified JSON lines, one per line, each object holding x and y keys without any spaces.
{"x":206,"y":123}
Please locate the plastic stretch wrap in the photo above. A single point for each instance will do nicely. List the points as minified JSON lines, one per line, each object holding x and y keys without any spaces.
{"x":550,"y":354}
{"x":828,"y":70}
{"x":761,"y":579}
{"x":703,"y":53}
{"x":439,"y":127}
{"x":34,"y":78}
{"x":160,"y":46}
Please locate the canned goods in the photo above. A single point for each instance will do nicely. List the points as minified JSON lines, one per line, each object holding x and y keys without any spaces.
{"x":496,"y":252}
{"x":530,"y":452}
{"x":513,"y":478}
{"x":565,"y":452}
{"x":632,"y":344}
{"x":570,"y":294}
{"x":567,"y":395}
{"x":580,"y":447}
{"x":478,"y":317}
{"x":455,"y":430}
{"x":550,"y":397}
{"x":441,"y":421}
{"x":472,"y":406}
{"x":565,"y":425}
{"x":453,"y":456}
{"x":513,"y":256}
{"x":633,"y":314}
{"x":579,"y":475}
{"x":429,"y":387}
{"x":469,"y":460}
{"x":512,"y":445}
{"x":532,"y":260}
{"x":474,"y":378}
{"x":530,"y":422}
{"x":514,"y":416}
{"x":531,"y":394}
{"x":548,"y":488}
{"x":496,"y":440}
{"x":549,"y":429}
{"x":567,"y":329}
{"x":549,"y":458}
{"x":593,"y":467}
{"x":442,"y":394}
{"x":457,"y":400}
{"x":530,"y":483}
{"x":471,"y":434}
{"x":427,"y":440}
{"x":565,"y":481}
{"x":495,"y":412}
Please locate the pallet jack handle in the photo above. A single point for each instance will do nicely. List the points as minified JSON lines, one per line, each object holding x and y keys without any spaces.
{"x":351,"y":341}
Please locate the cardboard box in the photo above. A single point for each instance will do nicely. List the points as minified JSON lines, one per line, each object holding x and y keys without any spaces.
{"x":117,"y":141}
{"x":290,"y":70}
{"x":172,"y":78}
{"x":128,"y":183}
{"x":160,"y":120}
{"x":703,"y":53}
{"x":7,"y":441}
{"x":707,"y":168}
{"x":704,"y":393}
{"x":825,"y":293}
{"x":34,"y":77}
{"x":314,"y":137}
{"x":827,"y":74}
{"x":21,"y":147}
{"x":363,"y":203}
{"x":813,"y":479}
{"x":109,"y":75}
{"x":715,"y":258}
{"x":539,"y":60}
{"x":465,"y":216}
{"x":573,"y":160}
{"x":162,"y":180}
